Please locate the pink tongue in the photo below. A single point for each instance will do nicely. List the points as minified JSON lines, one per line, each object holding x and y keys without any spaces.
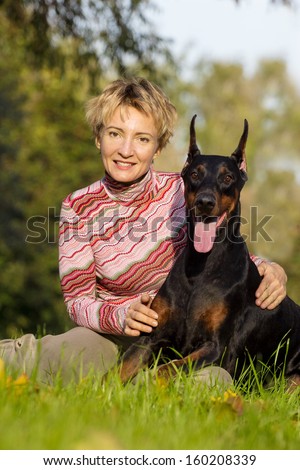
{"x":204,"y":236}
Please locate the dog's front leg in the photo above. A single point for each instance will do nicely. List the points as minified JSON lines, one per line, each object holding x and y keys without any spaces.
{"x":140,"y":354}
{"x":205,"y":355}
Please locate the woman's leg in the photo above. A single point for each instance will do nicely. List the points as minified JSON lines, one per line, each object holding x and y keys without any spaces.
{"x":20,"y":354}
{"x":72,"y":355}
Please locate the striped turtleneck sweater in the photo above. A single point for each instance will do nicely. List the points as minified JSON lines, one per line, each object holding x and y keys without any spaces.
{"x":117,"y":242}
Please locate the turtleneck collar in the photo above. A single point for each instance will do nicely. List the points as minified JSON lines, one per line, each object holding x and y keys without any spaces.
{"x":133,"y":193}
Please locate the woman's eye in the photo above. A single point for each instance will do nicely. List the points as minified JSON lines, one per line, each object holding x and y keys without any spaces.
{"x":144,"y":140}
{"x":113,"y":134}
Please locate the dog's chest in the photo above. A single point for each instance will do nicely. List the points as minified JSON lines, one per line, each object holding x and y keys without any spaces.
{"x":214,"y":294}
{"x":207,"y":306}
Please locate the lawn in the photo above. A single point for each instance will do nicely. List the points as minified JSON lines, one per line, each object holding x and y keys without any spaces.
{"x":151,"y":414}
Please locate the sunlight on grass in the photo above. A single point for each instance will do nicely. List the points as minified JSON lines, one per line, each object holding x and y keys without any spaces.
{"x":150,"y":414}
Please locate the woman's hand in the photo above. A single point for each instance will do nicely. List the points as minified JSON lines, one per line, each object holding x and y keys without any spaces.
{"x":140,"y":317}
{"x":272,"y":289}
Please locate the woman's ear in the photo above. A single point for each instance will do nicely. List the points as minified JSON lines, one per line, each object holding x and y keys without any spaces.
{"x":97,"y":142}
{"x":157,"y":153}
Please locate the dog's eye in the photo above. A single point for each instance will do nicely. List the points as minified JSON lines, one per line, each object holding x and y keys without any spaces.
{"x":194,"y":175}
{"x":227,"y":179}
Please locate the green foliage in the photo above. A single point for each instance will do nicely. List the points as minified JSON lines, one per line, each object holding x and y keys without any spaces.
{"x":53,"y":58}
{"x":293,"y":265}
{"x":47,"y":154}
{"x":107,"y":34}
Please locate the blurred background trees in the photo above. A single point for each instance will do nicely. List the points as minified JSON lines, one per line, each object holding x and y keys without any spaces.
{"x":53,"y":56}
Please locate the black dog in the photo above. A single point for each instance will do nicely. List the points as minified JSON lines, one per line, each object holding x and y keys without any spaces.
{"x":206,"y":307}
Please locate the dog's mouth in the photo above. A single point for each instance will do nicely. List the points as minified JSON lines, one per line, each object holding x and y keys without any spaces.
{"x":205,"y":232}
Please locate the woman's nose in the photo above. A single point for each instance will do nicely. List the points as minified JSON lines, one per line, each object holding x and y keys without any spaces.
{"x":126,"y":148}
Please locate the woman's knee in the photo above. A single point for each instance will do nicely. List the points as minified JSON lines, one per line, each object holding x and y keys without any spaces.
{"x":21,"y":354}
{"x":72,"y":355}
{"x":75,"y":354}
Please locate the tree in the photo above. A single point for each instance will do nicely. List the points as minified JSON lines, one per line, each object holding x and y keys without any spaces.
{"x":42,"y":138}
{"x":106,"y":33}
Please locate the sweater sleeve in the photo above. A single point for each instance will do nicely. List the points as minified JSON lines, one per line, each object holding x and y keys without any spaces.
{"x":78,"y":278}
{"x":256,"y":259}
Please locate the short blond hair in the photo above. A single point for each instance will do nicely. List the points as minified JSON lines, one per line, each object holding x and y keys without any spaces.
{"x":140,"y":94}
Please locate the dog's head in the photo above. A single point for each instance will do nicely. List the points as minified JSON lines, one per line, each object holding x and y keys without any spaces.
{"x":212,"y":188}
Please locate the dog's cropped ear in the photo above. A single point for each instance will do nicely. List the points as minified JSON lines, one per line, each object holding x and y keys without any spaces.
{"x":239,"y":154}
{"x":193,"y":148}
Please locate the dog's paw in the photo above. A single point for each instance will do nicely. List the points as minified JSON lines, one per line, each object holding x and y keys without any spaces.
{"x":169,"y":370}
{"x":293,"y":383}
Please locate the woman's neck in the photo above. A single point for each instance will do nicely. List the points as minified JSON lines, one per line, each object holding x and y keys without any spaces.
{"x":126,"y":184}
{"x":133,"y":192}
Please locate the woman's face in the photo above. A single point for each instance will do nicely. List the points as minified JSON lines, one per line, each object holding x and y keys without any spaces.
{"x":128,"y":143}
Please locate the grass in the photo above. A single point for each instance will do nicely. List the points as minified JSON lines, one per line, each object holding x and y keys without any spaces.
{"x":151,"y":414}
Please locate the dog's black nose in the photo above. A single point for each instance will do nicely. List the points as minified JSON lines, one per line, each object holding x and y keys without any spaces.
{"x":206,"y":202}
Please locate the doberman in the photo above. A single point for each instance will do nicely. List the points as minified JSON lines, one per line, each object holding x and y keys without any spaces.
{"x":206,"y":307}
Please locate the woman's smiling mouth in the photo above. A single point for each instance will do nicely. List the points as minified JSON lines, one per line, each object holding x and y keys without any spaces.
{"x":123,"y":164}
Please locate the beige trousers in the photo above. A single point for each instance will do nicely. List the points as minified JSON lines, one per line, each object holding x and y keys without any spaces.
{"x":76,"y":353}
{"x":71,"y":355}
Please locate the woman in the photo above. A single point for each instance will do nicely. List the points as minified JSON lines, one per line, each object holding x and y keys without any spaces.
{"x":119,"y":238}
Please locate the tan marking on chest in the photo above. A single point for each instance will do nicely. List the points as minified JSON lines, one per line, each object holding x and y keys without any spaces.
{"x":213,"y":316}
